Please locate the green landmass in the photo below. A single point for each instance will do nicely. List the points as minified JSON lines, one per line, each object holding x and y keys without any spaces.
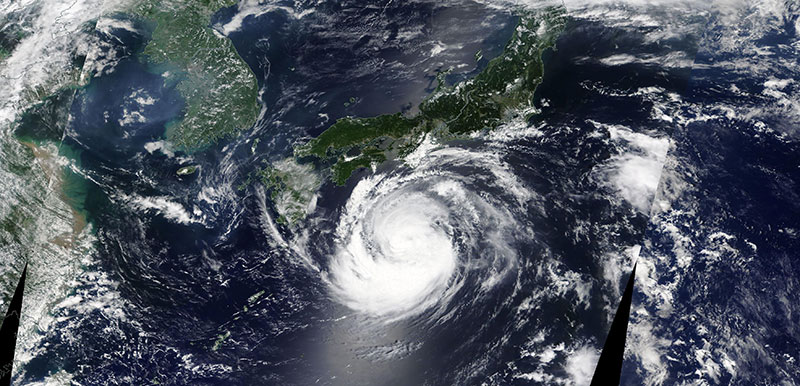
{"x":46,"y":120}
{"x":14,"y":224}
{"x":220,"y":339}
{"x":11,"y":34}
{"x":186,"y":170}
{"x":292,"y":188}
{"x":220,"y":90}
{"x":503,"y":91}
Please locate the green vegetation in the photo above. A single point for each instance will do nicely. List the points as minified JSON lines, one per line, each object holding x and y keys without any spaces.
{"x":342,"y":170}
{"x":503,"y":91}
{"x":373,"y":138}
{"x":11,"y":34}
{"x":186,"y":170}
{"x":292,"y":188}
{"x":46,"y":120}
{"x":220,"y":91}
{"x":220,"y":339}
{"x":14,"y":224}
{"x":254,"y":298}
{"x":348,"y":132}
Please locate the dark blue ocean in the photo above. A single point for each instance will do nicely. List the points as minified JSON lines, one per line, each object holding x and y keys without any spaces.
{"x":213,"y":300}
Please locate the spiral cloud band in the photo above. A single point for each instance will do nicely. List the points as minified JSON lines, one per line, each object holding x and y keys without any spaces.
{"x":408,"y":241}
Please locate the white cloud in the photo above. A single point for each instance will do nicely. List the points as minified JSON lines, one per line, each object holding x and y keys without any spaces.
{"x":580,"y":365}
{"x":635,"y":172}
{"x":43,"y":57}
{"x":164,"y":206}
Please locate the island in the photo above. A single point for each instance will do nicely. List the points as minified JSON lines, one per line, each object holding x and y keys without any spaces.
{"x":501,"y":92}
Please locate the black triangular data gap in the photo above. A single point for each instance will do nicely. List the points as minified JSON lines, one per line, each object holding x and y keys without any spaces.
{"x":8,"y":331}
{"x":609,"y":366}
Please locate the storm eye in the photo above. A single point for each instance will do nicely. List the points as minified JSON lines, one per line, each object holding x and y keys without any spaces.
{"x":407,"y":243}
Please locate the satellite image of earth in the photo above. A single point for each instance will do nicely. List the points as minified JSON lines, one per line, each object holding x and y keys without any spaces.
{"x":394,"y":192}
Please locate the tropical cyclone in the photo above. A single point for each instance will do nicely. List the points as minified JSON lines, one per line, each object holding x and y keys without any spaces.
{"x":408,"y":241}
